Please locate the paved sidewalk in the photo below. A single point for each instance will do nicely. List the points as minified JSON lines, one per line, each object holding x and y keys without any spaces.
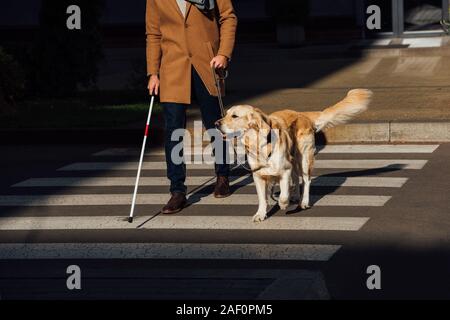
{"x":413,"y":87}
{"x":410,"y":77}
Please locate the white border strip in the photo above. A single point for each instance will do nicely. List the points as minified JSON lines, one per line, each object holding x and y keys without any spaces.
{"x":160,"y":199}
{"x":381,"y":182}
{"x":401,"y":164}
{"x":183,"y":223}
{"x":357,"y":148}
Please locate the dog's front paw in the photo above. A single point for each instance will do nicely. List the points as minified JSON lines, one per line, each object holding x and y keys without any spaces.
{"x":283,"y":203}
{"x":259,"y":217}
{"x":305,"y":205}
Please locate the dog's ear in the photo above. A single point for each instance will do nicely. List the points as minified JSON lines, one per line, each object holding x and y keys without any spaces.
{"x":250,"y":140}
{"x":252,"y":121}
{"x":258,"y":120}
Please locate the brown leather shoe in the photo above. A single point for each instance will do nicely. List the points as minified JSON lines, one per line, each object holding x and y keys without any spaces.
{"x":175,"y":204}
{"x":222,"y":188}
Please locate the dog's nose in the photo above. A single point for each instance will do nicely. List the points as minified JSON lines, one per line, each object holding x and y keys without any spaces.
{"x":217,"y":124}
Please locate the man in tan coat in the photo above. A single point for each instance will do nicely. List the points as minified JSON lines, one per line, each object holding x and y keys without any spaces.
{"x":183,"y":43}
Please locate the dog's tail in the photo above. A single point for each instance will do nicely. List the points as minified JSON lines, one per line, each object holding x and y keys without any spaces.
{"x":356,"y":102}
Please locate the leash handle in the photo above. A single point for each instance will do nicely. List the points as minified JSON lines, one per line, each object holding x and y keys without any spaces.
{"x":219,"y":93}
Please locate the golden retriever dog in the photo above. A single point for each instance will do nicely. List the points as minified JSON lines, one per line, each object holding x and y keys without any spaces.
{"x":280,"y":147}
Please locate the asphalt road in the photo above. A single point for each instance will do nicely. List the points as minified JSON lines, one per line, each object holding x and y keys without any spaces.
{"x":373,"y":205}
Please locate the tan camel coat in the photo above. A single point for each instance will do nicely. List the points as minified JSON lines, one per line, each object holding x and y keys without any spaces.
{"x":175,"y":43}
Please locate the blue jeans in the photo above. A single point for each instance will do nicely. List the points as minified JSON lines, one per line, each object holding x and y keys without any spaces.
{"x":175,"y":118}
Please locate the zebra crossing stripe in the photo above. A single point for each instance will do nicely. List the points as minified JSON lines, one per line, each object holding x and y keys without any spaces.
{"x":183,"y":222}
{"x":381,"y":182}
{"x":188,"y":151}
{"x":244,"y":251}
{"x":400,"y":164}
{"x":360,"y":148}
{"x":196,"y":199}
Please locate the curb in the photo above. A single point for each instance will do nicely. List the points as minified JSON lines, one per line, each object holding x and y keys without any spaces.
{"x":389,"y":132}
{"x":385,"y":132}
{"x":370,"y":132}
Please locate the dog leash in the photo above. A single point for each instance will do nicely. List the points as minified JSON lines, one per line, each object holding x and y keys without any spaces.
{"x":222,"y":111}
{"x":219,"y":93}
{"x":217,"y":78}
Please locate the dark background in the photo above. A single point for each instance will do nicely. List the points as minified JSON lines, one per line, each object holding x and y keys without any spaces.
{"x":53,"y":77}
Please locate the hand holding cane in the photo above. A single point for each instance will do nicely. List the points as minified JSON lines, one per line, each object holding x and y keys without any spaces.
{"x":130,"y":218}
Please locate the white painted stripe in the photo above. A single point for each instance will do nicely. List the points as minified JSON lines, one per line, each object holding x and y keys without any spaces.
{"x":188,"y":151}
{"x":382,"y":182}
{"x":432,"y":42}
{"x":349,"y":201}
{"x":159,"y":199}
{"x":183,"y":222}
{"x":245,"y":223}
{"x":245,"y":251}
{"x":370,"y":164}
{"x":372,"y":182}
{"x":385,"y":148}
{"x":122,"y":181}
{"x":318,"y":164}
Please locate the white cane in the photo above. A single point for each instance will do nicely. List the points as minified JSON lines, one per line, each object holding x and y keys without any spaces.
{"x":130,"y":219}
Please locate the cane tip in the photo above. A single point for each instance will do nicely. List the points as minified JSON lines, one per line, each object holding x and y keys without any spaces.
{"x":130,"y":220}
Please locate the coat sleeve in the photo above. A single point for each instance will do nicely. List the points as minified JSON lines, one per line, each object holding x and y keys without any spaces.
{"x":153,"y":33}
{"x":228,"y":24}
